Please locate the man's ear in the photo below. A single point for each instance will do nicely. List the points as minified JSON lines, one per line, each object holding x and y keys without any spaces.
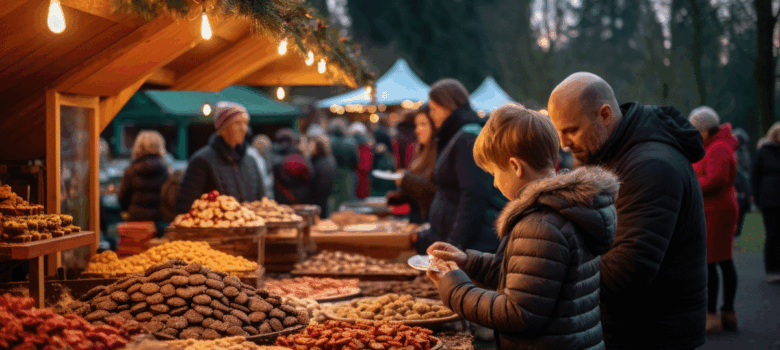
{"x":516,"y":165}
{"x":606,"y":114}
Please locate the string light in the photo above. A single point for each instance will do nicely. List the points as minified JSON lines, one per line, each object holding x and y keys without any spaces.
{"x":206,"y":109}
{"x":283,"y":47}
{"x":374,"y":118}
{"x":280,"y":93}
{"x":55,"y":19}
{"x":321,"y":66}
{"x":205,"y":27}
{"x":310,"y":58}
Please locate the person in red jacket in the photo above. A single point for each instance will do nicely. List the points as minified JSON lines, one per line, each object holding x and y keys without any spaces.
{"x":365,"y":159}
{"x":717,"y":172}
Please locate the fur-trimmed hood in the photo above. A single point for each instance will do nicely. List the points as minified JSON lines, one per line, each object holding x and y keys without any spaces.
{"x":584,"y":196}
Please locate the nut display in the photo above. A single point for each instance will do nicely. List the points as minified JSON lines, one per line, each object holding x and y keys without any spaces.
{"x":219,"y":211}
{"x":22,"y":229}
{"x":348,"y":218}
{"x":420,"y":287}
{"x":193,"y":311}
{"x":108,"y":263}
{"x":391,"y":307}
{"x":328,"y":262}
{"x":228,"y":343}
{"x":271,"y":211}
{"x":24,"y":327}
{"x":313,"y":288}
{"x":456,"y":340}
{"x":361,"y":335}
{"x":13,"y":205}
{"x":315,"y":310}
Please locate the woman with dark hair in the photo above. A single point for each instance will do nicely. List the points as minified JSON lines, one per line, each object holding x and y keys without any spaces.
{"x":466,"y":204}
{"x":325,"y":172}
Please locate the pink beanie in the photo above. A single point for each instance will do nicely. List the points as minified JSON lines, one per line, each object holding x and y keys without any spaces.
{"x":226,"y":111}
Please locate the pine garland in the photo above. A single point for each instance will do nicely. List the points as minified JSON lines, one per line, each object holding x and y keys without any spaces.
{"x":278,"y":18}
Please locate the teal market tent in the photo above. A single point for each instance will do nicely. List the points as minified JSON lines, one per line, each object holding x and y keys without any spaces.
{"x":399,"y":84}
{"x":489,"y":96}
{"x":185,"y":108}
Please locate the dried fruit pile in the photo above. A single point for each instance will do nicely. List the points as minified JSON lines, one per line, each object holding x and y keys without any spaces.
{"x":24,"y":327}
{"x":328,"y":262}
{"x":313,"y":288}
{"x":108,"y":263}
{"x":456,"y":340}
{"x":271,"y":211}
{"x":420,"y":287}
{"x":361,"y":335}
{"x":391,"y":307}
{"x":189,"y":302}
{"x":214,"y":210}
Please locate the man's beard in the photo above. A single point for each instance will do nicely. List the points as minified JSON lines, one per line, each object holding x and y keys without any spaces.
{"x":594,"y":146}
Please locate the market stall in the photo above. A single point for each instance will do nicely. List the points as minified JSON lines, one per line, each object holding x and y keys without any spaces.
{"x":489,"y":96}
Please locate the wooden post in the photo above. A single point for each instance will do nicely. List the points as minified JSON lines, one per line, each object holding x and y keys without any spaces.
{"x":36,"y":281}
{"x":94,"y":173}
{"x":53,"y":172}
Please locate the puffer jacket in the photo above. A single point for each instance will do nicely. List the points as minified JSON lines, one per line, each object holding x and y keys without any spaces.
{"x":139,"y":192}
{"x":544,"y":279}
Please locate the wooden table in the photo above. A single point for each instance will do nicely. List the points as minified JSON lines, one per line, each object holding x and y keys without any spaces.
{"x":384,"y":245}
{"x":34,"y":252}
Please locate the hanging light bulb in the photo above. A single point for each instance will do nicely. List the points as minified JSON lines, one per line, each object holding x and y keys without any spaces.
{"x":368,"y":90}
{"x":283,"y":47}
{"x":310,"y":58}
{"x":205,"y":27}
{"x":55,"y":19}
{"x":206,"y":109}
{"x":321,"y":66}
{"x":280,"y":93}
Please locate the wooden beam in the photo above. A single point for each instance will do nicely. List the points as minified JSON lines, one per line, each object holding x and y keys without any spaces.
{"x":163,"y":77}
{"x":53,"y":171}
{"x":9,"y":6}
{"x":289,"y":71}
{"x":103,"y":9}
{"x":110,"y":106}
{"x":236,"y":62}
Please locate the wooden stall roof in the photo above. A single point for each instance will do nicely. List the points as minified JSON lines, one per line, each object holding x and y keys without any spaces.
{"x":111,"y":55}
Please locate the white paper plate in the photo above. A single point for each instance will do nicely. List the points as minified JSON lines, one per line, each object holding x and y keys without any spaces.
{"x":421,"y":262}
{"x":386,"y":175}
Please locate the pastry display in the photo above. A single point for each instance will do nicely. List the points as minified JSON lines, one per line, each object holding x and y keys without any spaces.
{"x":24,"y":327}
{"x":271,"y":211}
{"x":349,"y":218}
{"x":182,"y":301}
{"x":109,"y":264}
{"x":391,"y":307}
{"x":313,"y":288}
{"x":13,"y":205}
{"x":213,"y":210}
{"x":23,"y":229}
{"x":315,"y":310}
{"x":420,"y":287}
{"x":361,"y":335}
{"x":328,"y":262}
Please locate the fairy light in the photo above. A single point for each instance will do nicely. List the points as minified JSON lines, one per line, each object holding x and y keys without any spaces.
{"x":321,"y":66}
{"x":310,"y":58}
{"x":206,"y":109}
{"x":55,"y":19}
{"x":374,"y":118}
{"x":205,"y":27}
{"x":283,"y":47}
{"x":280,"y":93}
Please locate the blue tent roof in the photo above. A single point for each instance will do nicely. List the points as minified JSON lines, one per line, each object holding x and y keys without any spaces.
{"x":489,"y":96}
{"x":397,"y":85}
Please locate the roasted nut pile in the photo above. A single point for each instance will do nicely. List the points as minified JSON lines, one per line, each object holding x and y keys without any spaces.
{"x":391,"y":307}
{"x":361,"y":335}
{"x":420,"y":287}
{"x":271,"y":211}
{"x":22,"y":229}
{"x":24,"y":327}
{"x":456,"y":340}
{"x":229,"y":343}
{"x":213,"y":210}
{"x":345,"y":263}
{"x":108,"y":263}
{"x":189,"y":302}
{"x":315,"y":310}
{"x":312,"y":288}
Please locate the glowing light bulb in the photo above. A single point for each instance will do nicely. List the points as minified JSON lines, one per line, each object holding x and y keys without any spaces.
{"x":283,"y":47}
{"x":321,"y":66}
{"x":368,"y":90}
{"x":374,"y":118}
{"x":55,"y":19}
{"x":206,"y":109}
{"x":205,"y":27}
{"x":280,"y":93}
{"x":310,"y":58}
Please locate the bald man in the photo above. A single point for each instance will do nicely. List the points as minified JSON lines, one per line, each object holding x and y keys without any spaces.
{"x":654,"y":279}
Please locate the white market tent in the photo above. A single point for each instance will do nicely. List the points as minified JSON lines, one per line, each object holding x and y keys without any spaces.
{"x":399,"y":84}
{"x":489,"y":96}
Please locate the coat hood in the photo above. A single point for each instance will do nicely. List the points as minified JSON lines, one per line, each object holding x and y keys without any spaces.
{"x":724,"y":135}
{"x":584,"y":196}
{"x":646,"y":123}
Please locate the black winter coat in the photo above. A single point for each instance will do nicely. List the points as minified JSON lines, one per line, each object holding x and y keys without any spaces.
{"x":293,"y":176}
{"x":544,"y":281}
{"x":466,"y":204}
{"x":325,"y":173}
{"x":654,"y":279}
{"x":218,"y":167}
{"x":140,"y":190}
{"x":765,"y":176}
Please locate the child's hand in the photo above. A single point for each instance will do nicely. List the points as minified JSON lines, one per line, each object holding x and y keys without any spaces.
{"x":442,"y":268}
{"x":448,"y":252}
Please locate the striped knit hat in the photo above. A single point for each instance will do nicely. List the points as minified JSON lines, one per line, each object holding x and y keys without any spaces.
{"x":226,"y":111}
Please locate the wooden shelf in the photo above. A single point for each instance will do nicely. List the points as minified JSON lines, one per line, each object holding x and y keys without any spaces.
{"x":29,"y":250}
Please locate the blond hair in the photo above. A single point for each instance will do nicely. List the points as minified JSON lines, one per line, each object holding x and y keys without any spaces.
{"x":772,"y":136}
{"x":148,"y":142}
{"x":514,"y":131}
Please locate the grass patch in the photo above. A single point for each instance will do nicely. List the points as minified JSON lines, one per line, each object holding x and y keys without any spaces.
{"x":753,"y":234}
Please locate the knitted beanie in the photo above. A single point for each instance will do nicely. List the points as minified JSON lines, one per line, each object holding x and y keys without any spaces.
{"x":704,"y":118}
{"x":226,"y":111}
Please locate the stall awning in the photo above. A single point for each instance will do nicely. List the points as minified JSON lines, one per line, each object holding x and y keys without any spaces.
{"x":489,"y":96}
{"x":399,"y":84}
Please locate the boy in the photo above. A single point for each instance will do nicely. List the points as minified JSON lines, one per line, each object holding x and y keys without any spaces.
{"x":543,"y":283}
